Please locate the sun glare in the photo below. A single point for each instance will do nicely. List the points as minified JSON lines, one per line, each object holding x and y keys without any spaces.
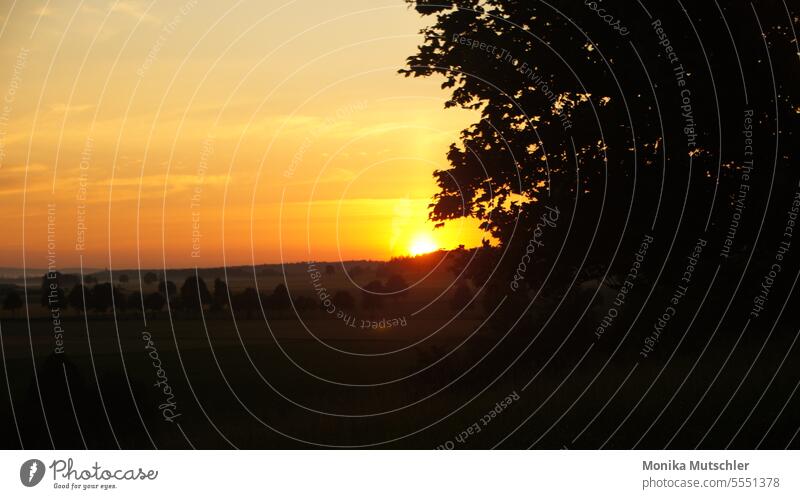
{"x":422,"y":244}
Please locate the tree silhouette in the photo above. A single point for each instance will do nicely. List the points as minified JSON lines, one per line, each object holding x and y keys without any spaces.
{"x":123,"y":278}
{"x":12,"y":302}
{"x":102,"y":296}
{"x":247,"y":301}
{"x":77,"y":300}
{"x":381,"y":270}
{"x":220,"y":300}
{"x":69,"y":280}
{"x":135,"y":301}
{"x":150,"y":278}
{"x":52,"y":295}
{"x":280,"y":299}
{"x":569,"y":119}
{"x":355,"y":271}
{"x":55,"y":298}
{"x":194,"y":293}
{"x":396,"y":284}
{"x":120,"y":302}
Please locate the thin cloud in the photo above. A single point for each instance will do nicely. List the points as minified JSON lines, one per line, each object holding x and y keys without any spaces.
{"x":43,"y":11}
{"x":134,"y":10}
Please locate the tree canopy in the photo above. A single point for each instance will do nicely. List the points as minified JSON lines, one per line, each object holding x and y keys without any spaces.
{"x":624,"y":130}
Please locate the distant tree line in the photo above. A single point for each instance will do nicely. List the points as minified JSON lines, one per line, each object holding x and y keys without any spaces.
{"x":194,"y":296}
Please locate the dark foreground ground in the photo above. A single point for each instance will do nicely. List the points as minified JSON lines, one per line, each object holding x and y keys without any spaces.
{"x":273,"y":385}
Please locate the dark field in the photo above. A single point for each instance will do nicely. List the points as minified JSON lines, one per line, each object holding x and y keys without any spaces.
{"x":412,"y":374}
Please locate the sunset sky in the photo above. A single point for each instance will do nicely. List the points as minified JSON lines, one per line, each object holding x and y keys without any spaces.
{"x":278,"y":123}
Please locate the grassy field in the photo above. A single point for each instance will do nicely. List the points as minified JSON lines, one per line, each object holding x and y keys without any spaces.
{"x":412,"y":373}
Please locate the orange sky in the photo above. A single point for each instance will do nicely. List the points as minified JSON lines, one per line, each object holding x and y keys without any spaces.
{"x":276,"y":130}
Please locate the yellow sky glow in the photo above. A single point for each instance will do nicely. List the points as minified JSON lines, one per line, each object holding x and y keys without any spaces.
{"x":201,"y":133}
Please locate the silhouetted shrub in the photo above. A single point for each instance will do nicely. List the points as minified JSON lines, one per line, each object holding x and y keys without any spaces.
{"x":12,"y":302}
{"x":396,"y":284}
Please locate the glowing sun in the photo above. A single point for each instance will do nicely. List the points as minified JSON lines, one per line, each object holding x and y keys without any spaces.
{"x":422,"y":244}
